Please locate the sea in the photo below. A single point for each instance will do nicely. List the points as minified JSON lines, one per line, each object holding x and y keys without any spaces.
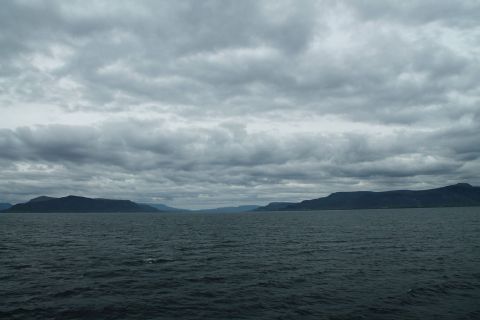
{"x":358,"y":264}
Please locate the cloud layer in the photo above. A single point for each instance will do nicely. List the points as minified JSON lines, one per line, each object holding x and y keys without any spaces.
{"x":234,"y":102}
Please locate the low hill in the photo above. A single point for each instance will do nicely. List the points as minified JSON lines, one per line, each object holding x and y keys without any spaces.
{"x":164,"y":207}
{"x":458,"y":195}
{"x":236,"y":209}
{"x":41,"y":198}
{"x":4,"y":206}
{"x":274,"y":206}
{"x":79,"y":204}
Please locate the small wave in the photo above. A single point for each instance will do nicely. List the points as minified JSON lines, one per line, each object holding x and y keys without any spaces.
{"x":22,"y":266}
{"x":207,"y":279}
{"x":70,"y":292}
{"x":156,"y":260}
{"x":442,"y":288}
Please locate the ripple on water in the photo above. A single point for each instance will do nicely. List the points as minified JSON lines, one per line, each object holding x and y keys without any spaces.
{"x":399,"y":264}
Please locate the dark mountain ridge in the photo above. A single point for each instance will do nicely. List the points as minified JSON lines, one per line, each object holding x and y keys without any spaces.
{"x":164,"y":207}
{"x":4,"y":206}
{"x":458,"y":195}
{"x":41,"y":198}
{"x":275,"y":206}
{"x":236,"y":209}
{"x":79,"y":204}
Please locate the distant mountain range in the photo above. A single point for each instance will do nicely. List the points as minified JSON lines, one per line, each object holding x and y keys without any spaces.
{"x":236,"y":209}
{"x":79,"y":204}
{"x":458,"y":195}
{"x":164,"y":207}
{"x":4,"y":206}
{"x":83,"y":204}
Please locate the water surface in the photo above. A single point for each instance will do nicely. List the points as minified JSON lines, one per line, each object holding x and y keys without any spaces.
{"x":367,"y":264}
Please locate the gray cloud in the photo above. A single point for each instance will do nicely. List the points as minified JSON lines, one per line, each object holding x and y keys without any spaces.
{"x":236,"y":101}
{"x":457,"y":14}
{"x":211,"y":161}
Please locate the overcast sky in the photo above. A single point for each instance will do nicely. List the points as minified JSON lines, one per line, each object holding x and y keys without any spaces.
{"x":204,"y":103}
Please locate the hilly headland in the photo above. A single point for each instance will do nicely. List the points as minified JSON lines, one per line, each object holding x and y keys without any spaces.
{"x":458,"y":195}
{"x":79,"y":204}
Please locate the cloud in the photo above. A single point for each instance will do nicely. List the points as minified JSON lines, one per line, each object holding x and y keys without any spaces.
{"x":198,"y":161}
{"x":239,"y":101}
{"x":461,"y":14}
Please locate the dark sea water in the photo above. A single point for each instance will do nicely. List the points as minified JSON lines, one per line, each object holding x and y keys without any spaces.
{"x":370,"y":264}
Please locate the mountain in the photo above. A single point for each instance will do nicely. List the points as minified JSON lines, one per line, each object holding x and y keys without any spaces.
{"x":41,"y":198}
{"x":79,"y":204}
{"x":4,"y":206}
{"x":244,"y":208}
{"x":237,"y":209}
{"x":274,"y":206}
{"x":164,"y":207}
{"x":458,"y":195}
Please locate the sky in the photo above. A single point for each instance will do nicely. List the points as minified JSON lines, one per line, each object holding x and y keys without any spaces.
{"x":200,"y":104}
